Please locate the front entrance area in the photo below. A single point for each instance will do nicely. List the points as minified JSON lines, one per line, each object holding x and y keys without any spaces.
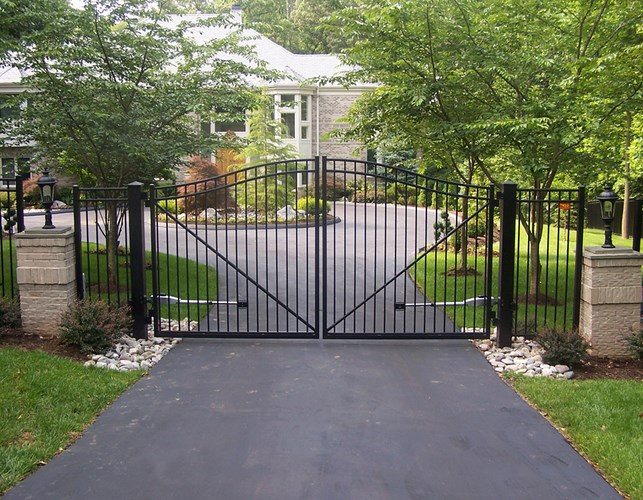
{"x":323,"y":248}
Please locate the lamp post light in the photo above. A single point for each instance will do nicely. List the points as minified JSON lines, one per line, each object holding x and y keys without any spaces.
{"x":607,"y":200}
{"x":47,"y":186}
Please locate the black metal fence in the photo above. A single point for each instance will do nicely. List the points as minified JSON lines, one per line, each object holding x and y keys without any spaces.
{"x":102,"y":244}
{"x":12,"y":221}
{"x":541,"y":259}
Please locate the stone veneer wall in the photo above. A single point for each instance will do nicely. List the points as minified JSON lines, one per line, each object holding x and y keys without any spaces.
{"x":610,"y":299}
{"x":333,"y":107}
{"x":46,"y":277}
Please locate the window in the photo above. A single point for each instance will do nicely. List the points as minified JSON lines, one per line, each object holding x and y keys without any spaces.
{"x":7,"y":109}
{"x":304,"y":132}
{"x":24,"y":167}
{"x":8,"y":167}
{"x":304,"y":108}
{"x":288,"y":119}
{"x":230,"y":126}
{"x":288,"y":100}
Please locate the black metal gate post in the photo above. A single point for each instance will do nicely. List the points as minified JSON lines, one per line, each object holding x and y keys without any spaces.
{"x":20,"y":204}
{"x":578,"y":261}
{"x":638,"y":222}
{"x":78,"y":251}
{"x":138,"y":298}
{"x":506,"y":268}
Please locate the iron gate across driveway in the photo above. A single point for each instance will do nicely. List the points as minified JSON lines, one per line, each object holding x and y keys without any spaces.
{"x":333,"y":248}
{"x":323,"y":248}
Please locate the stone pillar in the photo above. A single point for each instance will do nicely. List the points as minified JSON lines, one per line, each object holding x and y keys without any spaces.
{"x":610,"y":299}
{"x":46,"y":277}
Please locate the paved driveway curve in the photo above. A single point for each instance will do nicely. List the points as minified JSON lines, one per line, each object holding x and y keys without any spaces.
{"x":318,"y":420}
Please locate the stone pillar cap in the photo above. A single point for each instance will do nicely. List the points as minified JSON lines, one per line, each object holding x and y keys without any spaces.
{"x":43,"y":233}
{"x":611,"y":253}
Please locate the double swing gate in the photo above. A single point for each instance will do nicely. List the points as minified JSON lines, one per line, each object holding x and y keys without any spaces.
{"x":333,"y":248}
{"x":321,"y":248}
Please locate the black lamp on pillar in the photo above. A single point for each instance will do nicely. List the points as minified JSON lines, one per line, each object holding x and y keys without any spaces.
{"x":608,"y":200}
{"x":47,"y":186}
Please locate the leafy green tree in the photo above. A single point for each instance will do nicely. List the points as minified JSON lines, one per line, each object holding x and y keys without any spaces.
{"x":264,"y":142}
{"x":19,"y":19}
{"x":510,"y":88}
{"x":118,"y":93}
{"x":264,"y":145}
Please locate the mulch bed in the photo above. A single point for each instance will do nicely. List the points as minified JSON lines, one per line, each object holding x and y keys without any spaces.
{"x":605,"y":368}
{"x":16,"y":338}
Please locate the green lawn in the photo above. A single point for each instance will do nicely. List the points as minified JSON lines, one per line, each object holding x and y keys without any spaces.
{"x":45,"y":403}
{"x":7,"y":268}
{"x":448,"y":288}
{"x":187,"y":279}
{"x":601,"y":417}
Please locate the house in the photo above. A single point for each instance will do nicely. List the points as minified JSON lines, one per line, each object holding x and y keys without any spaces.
{"x":14,"y":158}
{"x":309,"y":110}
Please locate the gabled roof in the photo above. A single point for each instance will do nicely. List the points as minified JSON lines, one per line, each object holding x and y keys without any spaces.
{"x":294,"y":69}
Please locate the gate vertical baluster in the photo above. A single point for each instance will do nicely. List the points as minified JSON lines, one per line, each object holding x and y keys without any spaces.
{"x":156,"y":309}
{"x":138,"y":296}
{"x":324,"y":168}
{"x":578,"y":261}
{"x":491,"y":199}
{"x":507,"y":263}
{"x":317,"y":304}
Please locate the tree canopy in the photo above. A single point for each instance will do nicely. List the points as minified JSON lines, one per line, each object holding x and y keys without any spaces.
{"x":118,"y":89}
{"x":521,"y":87}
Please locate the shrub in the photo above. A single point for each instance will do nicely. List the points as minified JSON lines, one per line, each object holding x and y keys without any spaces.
{"x":94,"y":326}
{"x":211,"y":193}
{"x":562,"y":347}
{"x":476,"y":229}
{"x":308,"y":205}
{"x":635,"y":341}
{"x":9,"y":313}
{"x":336,"y":188}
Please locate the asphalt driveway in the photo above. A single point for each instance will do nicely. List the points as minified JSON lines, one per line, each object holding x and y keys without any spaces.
{"x":318,"y":420}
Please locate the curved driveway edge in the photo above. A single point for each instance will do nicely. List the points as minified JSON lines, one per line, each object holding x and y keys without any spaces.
{"x":312,"y":420}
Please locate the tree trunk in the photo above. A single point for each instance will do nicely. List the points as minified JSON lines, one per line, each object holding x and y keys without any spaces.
{"x":111,"y":238}
{"x":536,"y":223}
{"x":625,"y":220}
{"x":464,"y":243}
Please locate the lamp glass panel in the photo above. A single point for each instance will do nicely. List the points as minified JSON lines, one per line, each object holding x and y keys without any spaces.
{"x":608,"y":207}
{"x":47,"y":194}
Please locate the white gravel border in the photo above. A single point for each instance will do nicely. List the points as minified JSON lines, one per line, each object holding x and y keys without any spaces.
{"x":134,"y":354}
{"x":524,"y":356}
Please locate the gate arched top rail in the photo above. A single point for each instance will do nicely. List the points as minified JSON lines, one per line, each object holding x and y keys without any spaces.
{"x":192,"y":191}
{"x":398,"y":169}
{"x":221,"y":181}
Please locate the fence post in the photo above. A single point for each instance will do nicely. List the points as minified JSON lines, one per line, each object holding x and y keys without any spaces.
{"x":78,"y":249}
{"x":20,"y":205}
{"x":578,"y":261}
{"x":138,"y":298}
{"x":508,"y":206}
{"x":638,"y":222}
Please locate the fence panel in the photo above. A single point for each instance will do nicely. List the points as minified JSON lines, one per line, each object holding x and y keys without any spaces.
{"x":102,"y":244}
{"x":12,"y":221}
{"x":549,"y":236}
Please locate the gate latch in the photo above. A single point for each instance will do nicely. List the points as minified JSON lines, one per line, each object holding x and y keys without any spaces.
{"x":171,"y":299}
{"x":480,"y":300}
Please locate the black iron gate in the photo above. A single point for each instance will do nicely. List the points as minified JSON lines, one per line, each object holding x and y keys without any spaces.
{"x":322,"y":248}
